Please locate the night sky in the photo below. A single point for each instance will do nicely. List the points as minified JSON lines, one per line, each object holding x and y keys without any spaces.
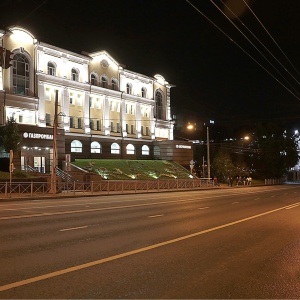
{"x":213,"y":76}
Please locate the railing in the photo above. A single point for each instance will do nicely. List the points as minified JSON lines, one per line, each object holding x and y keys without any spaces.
{"x":101,"y":187}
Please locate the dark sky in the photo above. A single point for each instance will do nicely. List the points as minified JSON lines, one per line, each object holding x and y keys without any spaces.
{"x":213,"y":76}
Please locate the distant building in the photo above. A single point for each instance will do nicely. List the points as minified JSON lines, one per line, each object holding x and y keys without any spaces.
{"x":103,"y":109}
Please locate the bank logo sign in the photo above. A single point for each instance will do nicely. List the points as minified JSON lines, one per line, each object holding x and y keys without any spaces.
{"x":33,"y":135}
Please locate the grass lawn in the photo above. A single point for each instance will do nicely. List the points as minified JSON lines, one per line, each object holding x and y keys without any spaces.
{"x":133,"y":169}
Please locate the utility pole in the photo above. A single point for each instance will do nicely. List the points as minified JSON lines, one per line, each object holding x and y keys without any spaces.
{"x":53,"y":173}
{"x":208,"y":153}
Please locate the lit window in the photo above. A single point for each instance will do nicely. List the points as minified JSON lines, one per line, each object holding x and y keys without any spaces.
{"x":51,"y":69}
{"x":20,"y":74}
{"x":47,"y":94}
{"x":95,"y":147}
{"x":76,"y":146}
{"x":158,"y":105}
{"x":130,"y":149}
{"x":79,"y":100}
{"x":71,"y":97}
{"x":145,"y":150}
{"x":74,"y":75}
{"x":115,"y":148}
{"x":48,"y":119}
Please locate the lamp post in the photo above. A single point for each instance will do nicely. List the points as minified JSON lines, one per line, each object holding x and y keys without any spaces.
{"x":190,"y":127}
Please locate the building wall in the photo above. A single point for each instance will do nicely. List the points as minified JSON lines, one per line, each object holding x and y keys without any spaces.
{"x":95,"y":98}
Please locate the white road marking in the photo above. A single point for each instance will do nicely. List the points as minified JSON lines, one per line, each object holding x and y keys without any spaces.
{"x":133,"y":252}
{"x":256,"y":198}
{"x":235,"y":202}
{"x":74,"y":228}
{"x":203,"y":207}
{"x":292,"y":206}
{"x":155,"y":216}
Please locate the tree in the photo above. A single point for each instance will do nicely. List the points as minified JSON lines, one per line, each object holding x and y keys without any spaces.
{"x":277,"y":151}
{"x":10,"y":136}
{"x":223,"y":166}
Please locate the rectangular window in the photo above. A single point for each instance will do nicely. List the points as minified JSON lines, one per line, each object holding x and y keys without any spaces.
{"x":79,"y":123}
{"x":92,"y":124}
{"x":142,"y":130}
{"x":47,"y":94}
{"x":132,"y":129}
{"x":20,"y":119}
{"x":98,"y":104}
{"x":91,"y":102}
{"x":118,"y":127}
{"x":98,"y":125}
{"x":111,"y":126}
{"x":48,"y":119}
{"x":131,"y":110}
{"x":79,"y":100}
{"x":71,"y":98}
{"x":147,"y":131}
{"x":118,"y":107}
{"x":72,"y":125}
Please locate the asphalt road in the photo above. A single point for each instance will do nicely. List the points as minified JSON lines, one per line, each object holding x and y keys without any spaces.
{"x":222,"y":243}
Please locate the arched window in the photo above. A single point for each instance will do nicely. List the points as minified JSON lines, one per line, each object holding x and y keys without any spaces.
{"x":115,"y":148}
{"x":114,"y":84}
{"x":104,"y":82}
{"x":95,"y":147}
{"x":145,"y":150}
{"x":74,"y":74}
{"x":158,"y":105}
{"x":128,"y":88}
{"x":144,"y":92}
{"x":76,"y":146}
{"x":93,"y":79}
{"x":51,"y":69}
{"x":20,"y":74}
{"x":130,"y":149}
{"x":156,"y":151}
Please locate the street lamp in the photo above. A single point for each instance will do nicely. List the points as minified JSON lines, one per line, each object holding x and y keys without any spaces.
{"x":190,"y":127}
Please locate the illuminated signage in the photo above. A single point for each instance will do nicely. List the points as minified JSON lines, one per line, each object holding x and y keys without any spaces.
{"x":183,"y":146}
{"x":33,"y":135}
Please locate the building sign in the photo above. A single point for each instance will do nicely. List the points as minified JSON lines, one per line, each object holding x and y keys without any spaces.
{"x":33,"y":135}
{"x":183,"y":146}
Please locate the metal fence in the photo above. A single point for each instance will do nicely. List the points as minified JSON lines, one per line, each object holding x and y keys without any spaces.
{"x":101,"y":187}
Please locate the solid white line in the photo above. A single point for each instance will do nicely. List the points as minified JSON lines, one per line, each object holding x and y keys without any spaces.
{"x":203,"y":207}
{"x":155,"y":216}
{"x":292,"y":206}
{"x":74,"y":228}
{"x":133,"y":252}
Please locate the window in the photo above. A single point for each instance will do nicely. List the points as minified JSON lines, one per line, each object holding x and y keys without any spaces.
{"x":98,"y":125}
{"x":112,"y":126}
{"x":95,"y":147}
{"x":79,"y":100}
{"x":156,"y":151}
{"x":76,"y":146}
{"x":20,"y":118}
{"x":132,"y":129}
{"x":93,"y":79}
{"x":51,"y":69}
{"x":47,"y":94}
{"x":71,"y":97}
{"x":114,"y":84}
{"x":128,"y":88}
{"x":130,"y":149}
{"x":118,"y":127}
{"x":127,"y":128}
{"x":158,"y":105}
{"x":48,"y":119}
{"x":72,"y":124}
{"x":143,"y":92}
{"x":98,"y":104}
{"x":111,"y":106}
{"x":104,"y":82}
{"x":115,"y":148}
{"x":91,"y":102}
{"x":92,"y":124}
{"x":147,"y":131}
{"x":74,"y":74}
{"x":145,"y":150}
{"x":20,"y":74}
{"x":142,"y":130}
{"x":79,"y":123}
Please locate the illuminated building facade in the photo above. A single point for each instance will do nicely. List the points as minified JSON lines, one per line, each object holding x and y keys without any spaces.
{"x":103,"y":109}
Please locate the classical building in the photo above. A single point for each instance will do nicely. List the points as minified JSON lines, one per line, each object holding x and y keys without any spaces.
{"x":103,"y":110}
